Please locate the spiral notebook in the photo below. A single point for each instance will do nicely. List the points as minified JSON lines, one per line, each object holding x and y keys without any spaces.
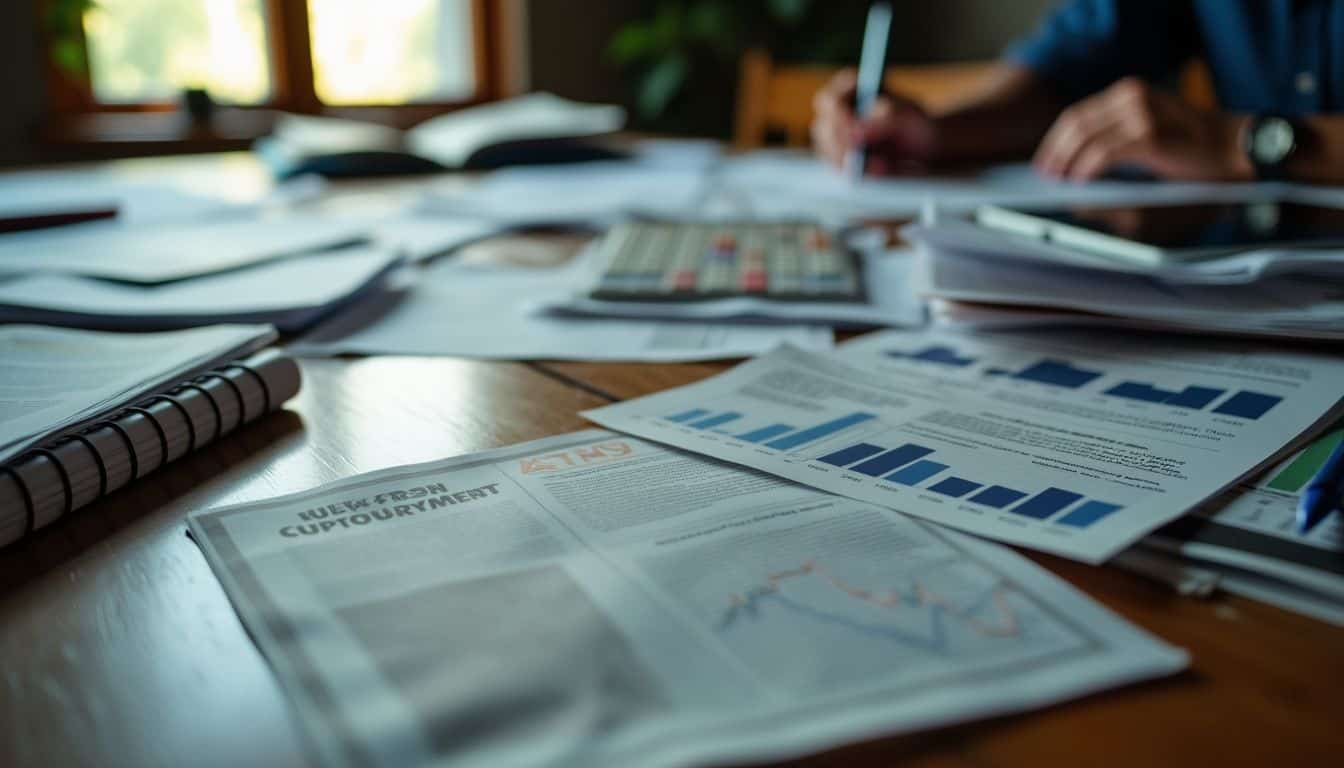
{"x":83,"y":413}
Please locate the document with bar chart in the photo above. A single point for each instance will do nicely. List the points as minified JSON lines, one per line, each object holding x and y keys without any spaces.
{"x":1041,"y":440}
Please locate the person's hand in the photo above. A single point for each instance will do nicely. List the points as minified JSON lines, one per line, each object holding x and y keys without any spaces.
{"x":897,"y":134}
{"x":1132,"y":124}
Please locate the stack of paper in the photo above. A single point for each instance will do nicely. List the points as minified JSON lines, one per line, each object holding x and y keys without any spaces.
{"x":1017,"y":281}
{"x":1248,"y":538}
{"x":290,"y":294}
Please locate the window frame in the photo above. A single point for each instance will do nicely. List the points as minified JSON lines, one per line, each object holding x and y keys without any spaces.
{"x":288,"y":47}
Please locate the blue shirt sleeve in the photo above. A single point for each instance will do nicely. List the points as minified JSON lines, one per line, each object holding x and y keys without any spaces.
{"x":1082,"y":46}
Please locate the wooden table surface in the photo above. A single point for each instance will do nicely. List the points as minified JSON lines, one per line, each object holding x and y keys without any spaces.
{"x":119,"y":648}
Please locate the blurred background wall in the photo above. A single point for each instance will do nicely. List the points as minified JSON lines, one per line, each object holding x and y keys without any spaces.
{"x":22,"y":85}
{"x":619,"y":51}
{"x":571,"y":52}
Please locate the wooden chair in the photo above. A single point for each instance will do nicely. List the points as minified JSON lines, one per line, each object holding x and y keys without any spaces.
{"x":778,"y":99}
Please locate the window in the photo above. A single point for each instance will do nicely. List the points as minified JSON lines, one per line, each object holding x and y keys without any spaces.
{"x":149,"y":50}
{"x":391,"y":51}
{"x":420,"y":56}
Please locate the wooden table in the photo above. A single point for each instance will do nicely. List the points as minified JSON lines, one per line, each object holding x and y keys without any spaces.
{"x":119,"y":648}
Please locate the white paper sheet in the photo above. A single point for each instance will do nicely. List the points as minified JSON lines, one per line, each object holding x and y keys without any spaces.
{"x":141,"y":202}
{"x":600,"y":601}
{"x":422,"y":238}
{"x":581,"y":194}
{"x":53,"y":379}
{"x":290,"y":294}
{"x":174,"y":252}
{"x":1050,"y":441}
{"x":488,"y":312}
{"x":786,"y":183}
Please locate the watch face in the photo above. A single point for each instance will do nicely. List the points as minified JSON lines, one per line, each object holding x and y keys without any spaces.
{"x":1272,"y":141}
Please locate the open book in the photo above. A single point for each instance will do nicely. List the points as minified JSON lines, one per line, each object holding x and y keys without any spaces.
{"x":536,"y":128}
{"x":83,"y":414}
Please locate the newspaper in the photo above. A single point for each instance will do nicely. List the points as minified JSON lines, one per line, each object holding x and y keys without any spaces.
{"x":596,"y":600}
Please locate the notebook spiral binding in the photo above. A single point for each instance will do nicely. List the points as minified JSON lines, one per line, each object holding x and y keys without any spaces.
{"x":177,"y":399}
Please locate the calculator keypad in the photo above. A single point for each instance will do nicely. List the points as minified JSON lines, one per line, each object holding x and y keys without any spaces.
{"x":684,"y":261}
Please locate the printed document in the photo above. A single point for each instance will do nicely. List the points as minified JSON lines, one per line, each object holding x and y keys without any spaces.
{"x":1059,"y":442}
{"x":596,"y":600}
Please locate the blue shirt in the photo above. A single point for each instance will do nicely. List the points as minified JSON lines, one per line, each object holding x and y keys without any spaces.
{"x":1282,"y":56}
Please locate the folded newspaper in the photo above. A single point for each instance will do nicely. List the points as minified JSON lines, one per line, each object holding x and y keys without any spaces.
{"x":596,"y":600}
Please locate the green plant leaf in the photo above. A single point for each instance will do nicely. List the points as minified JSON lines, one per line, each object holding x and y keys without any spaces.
{"x":660,"y":85}
{"x":632,"y":43}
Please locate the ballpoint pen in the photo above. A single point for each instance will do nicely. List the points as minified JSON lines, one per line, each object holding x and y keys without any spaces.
{"x":1323,"y":493}
{"x":872,"y":65}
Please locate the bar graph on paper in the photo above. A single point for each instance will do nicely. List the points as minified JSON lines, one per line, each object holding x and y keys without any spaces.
{"x":1066,"y":375}
{"x":905,"y":464}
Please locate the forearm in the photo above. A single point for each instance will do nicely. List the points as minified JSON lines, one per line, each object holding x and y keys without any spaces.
{"x":1006,"y":120}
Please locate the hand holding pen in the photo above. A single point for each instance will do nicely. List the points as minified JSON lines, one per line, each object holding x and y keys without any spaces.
{"x":863,"y":131}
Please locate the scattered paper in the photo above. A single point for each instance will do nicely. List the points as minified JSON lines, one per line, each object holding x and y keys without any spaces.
{"x":291,"y":294}
{"x":595,"y":600}
{"x":488,"y":312}
{"x":173,"y":252}
{"x":584,"y":194}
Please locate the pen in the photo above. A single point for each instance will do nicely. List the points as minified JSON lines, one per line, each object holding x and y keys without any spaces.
{"x":1323,"y":492}
{"x":872,"y":65}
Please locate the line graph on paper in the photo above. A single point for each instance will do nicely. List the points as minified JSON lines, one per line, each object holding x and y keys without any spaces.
{"x":841,"y":621}
{"x":826,"y":599}
{"x":911,"y":616}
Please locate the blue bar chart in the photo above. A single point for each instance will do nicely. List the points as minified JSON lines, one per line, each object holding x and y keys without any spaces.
{"x":1190,"y":397}
{"x":781,"y":437}
{"x":765,"y":433}
{"x":1056,"y":373}
{"x":941,"y":355}
{"x":1244,"y":404}
{"x":1248,"y":405}
{"x":909,"y":464}
{"x":714,"y":421}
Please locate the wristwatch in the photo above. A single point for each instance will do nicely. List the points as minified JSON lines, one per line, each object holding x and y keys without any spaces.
{"x":1269,"y":142}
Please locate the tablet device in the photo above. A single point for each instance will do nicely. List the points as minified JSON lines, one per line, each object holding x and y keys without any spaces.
{"x":1154,"y":235}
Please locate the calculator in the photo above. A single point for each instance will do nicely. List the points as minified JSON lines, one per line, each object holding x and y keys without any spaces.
{"x":695,"y":261}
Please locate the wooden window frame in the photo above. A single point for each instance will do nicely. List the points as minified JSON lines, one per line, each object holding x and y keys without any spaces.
{"x":79,"y":121}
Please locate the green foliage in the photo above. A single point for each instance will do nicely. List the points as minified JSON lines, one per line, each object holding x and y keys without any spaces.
{"x":64,"y":24}
{"x":664,"y":48}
